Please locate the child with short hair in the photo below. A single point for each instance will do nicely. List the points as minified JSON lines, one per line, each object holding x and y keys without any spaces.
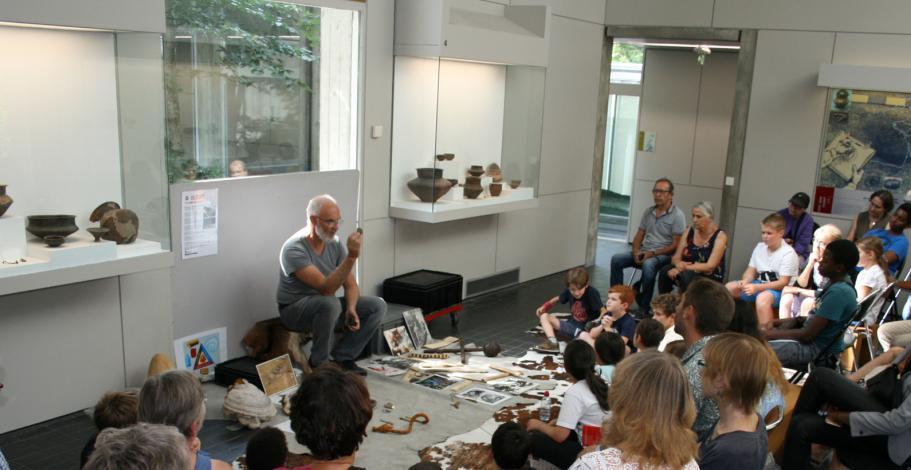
{"x":267,"y":449}
{"x":511,"y":446}
{"x":585,"y":305}
{"x":610,"y":349}
{"x":114,"y":410}
{"x":616,"y":317}
{"x":735,"y":376}
{"x":772,"y":266}
{"x":664,"y":310}
{"x":648,"y":334}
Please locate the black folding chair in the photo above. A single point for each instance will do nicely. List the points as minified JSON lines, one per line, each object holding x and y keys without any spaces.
{"x":829,"y":358}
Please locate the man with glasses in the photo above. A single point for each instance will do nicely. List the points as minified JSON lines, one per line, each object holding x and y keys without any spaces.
{"x":314,"y":265}
{"x":655,"y":242}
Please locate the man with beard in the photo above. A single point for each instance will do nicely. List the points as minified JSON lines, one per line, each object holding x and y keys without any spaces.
{"x":314,"y":265}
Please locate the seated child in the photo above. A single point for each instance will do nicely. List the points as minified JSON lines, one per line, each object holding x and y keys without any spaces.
{"x":585,"y":305}
{"x":735,"y":376}
{"x":676,"y":348}
{"x":511,"y":446}
{"x":821,"y":331}
{"x":114,"y":410}
{"x":616,"y":317}
{"x":267,"y":449}
{"x":584,"y":404}
{"x":649,"y":333}
{"x":664,"y":310}
{"x":772,"y":266}
{"x":610,"y":350}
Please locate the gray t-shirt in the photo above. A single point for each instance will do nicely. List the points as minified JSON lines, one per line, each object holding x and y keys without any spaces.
{"x":297,"y":254}
{"x":735,"y":449}
{"x":660,"y":231}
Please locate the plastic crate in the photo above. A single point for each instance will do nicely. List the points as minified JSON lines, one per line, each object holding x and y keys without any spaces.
{"x":429,"y":290}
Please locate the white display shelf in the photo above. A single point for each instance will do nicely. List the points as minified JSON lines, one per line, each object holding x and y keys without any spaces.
{"x":79,"y":259}
{"x":445,"y":210}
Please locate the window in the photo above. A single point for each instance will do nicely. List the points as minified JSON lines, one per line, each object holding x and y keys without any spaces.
{"x":258,"y":87}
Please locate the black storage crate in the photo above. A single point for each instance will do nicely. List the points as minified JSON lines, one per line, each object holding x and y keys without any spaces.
{"x":429,"y":290}
{"x":240,"y":368}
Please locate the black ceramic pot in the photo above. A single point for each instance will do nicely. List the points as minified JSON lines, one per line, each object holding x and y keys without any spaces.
{"x":430,"y":185}
{"x":44,"y":225}
{"x":472,"y":187}
{"x":5,"y":201}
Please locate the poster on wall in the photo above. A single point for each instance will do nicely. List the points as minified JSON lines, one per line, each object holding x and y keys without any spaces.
{"x":200,"y":352}
{"x":199,"y":223}
{"x":866,"y":147}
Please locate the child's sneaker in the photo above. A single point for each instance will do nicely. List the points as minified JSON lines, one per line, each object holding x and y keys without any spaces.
{"x":549,"y":347}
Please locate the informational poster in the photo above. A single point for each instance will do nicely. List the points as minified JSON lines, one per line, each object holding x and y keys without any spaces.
{"x":199,"y":223}
{"x":866,"y":147}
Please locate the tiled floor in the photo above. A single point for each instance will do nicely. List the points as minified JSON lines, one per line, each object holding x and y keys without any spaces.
{"x":502,"y":316}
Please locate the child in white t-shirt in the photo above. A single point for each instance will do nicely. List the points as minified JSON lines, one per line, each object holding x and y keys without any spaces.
{"x":874,"y":274}
{"x":584,"y":404}
{"x":771,"y":268}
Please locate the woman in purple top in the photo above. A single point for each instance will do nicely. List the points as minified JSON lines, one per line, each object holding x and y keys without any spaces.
{"x":798,"y":231}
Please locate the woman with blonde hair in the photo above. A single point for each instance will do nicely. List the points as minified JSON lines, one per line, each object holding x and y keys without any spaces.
{"x":653,"y":414}
{"x":797,"y":300}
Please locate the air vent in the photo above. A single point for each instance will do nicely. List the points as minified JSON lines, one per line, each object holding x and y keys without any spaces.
{"x":491,"y":283}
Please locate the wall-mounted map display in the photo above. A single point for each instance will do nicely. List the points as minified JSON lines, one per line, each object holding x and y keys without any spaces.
{"x":866,"y":147}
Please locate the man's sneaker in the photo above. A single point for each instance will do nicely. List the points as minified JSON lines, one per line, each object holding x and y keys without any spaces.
{"x":548,"y":347}
{"x":351,"y":366}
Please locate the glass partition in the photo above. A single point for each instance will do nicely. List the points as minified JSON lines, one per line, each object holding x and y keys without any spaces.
{"x":258,"y":87}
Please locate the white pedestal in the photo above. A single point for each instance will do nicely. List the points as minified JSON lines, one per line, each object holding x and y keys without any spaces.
{"x":78,"y":249}
{"x":138,"y":248}
{"x":12,"y":237}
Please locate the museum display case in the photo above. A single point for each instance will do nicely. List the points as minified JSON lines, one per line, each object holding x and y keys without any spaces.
{"x":467,"y":121}
{"x":81,"y":125}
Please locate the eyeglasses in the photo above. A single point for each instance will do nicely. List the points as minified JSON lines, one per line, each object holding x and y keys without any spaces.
{"x":331,"y":222}
{"x":660,"y":191}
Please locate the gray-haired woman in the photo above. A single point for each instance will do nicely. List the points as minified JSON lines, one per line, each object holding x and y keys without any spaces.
{"x":699,"y":254}
{"x":176,"y":398}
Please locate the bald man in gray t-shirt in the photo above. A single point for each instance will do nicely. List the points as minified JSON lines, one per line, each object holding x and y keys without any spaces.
{"x":314,"y":265}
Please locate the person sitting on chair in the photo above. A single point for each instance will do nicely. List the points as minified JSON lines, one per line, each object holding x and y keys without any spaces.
{"x":895,"y":244}
{"x":702,"y":254}
{"x":314,"y":265}
{"x":821,"y":331}
{"x":656,"y":240}
{"x":798,"y":224}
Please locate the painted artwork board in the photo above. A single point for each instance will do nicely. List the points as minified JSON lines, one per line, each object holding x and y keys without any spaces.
{"x":277,"y":375}
{"x":438,"y":382}
{"x":417,"y":327}
{"x":398,"y":340}
{"x":200,"y":352}
{"x":484,"y":396}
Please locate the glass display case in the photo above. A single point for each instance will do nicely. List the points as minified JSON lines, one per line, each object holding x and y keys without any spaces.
{"x":466,"y":138}
{"x":81,"y":124}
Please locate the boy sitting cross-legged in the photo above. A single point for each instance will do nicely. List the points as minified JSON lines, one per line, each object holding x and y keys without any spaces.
{"x":616,"y":317}
{"x":585,"y":305}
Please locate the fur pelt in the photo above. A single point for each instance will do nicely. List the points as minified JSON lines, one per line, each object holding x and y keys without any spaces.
{"x":269,"y":339}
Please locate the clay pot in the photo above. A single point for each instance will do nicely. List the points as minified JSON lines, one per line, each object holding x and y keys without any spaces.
{"x":97,"y":232}
{"x":472,"y":187}
{"x":515,"y":183}
{"x":446,"y":156}
{"x":453,"y":181}
{"x":122,"y":225}
{"x":44,"y":225}
{"x":495,"y":189}
{"x":476,"y":170}
{"x":5,"y":201}
{"x":54,"y":241}
{"x":430,"y":185}
{"x":493,"y":171}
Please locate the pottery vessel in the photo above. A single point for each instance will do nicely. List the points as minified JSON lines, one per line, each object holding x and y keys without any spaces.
{"x":44,"y":225}
{"x":449,"y":156}
{"x":472,"y":187}
{"x":476,"y":170}
{"x":493,"y":171}
{"x":54,"y":241}
{"x":495,"y":189}
{"x":97,"y":232}
{"x":122,"y":225}
{"x":429,"y":185}
{"x":453,"y":181}
{"x":102,"y":209}
{"x":515,"y":183}
{"x":5,"y":201}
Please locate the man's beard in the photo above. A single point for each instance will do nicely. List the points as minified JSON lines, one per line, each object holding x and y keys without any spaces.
{"x":325,"y":237}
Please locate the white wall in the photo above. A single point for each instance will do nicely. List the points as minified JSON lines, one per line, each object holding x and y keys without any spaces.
{"x":123,"y":15}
